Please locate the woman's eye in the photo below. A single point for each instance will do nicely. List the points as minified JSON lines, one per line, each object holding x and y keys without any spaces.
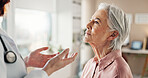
{"x":96,"y":22}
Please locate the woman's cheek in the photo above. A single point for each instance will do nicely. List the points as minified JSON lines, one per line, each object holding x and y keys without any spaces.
{"x":94,"y":34}
{"x":94,"y":31}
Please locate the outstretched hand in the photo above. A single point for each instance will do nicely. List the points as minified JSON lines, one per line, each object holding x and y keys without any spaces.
{"x":36,"y":59}
{"x":59,"y":62}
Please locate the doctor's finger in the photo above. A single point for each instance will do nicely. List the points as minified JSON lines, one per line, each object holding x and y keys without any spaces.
{"x":50,"y":56}
{"x":41,"y":49}
{"x":66,"y":56}
{"x":71,"y":59}
{"x":64,"y":53}
{"x":74,"y":55}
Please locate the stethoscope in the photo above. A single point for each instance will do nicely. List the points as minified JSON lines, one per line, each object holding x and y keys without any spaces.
{"x":9,"y":56}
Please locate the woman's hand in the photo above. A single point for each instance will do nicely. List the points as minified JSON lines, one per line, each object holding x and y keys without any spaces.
{"x":59,"y":62}
{"x":36,"y":59}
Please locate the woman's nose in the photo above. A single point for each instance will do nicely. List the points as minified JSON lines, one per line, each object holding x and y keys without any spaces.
{"x":89,"y":25}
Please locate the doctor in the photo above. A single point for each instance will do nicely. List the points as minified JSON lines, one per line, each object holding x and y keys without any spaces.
{"x":12,"y":64}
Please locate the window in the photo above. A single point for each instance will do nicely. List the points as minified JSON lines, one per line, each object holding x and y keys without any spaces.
{"x":32,"y":29}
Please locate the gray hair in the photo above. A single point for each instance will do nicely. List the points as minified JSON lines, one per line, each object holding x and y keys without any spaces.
{"x":117,"y":20}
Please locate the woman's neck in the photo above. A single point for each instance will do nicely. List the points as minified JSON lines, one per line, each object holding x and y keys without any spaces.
{"x":101,"y":50}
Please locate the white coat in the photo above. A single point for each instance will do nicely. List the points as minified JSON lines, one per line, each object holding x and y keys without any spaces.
{"x":17,"y":69}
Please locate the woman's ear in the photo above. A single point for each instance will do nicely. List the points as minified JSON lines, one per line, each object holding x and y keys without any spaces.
{"x":113,"y":35}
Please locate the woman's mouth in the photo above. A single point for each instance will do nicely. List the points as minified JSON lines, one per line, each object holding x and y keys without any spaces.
{"x":88,"y":33}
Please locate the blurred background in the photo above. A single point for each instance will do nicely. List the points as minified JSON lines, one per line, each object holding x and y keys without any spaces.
{"x":60,"y":24}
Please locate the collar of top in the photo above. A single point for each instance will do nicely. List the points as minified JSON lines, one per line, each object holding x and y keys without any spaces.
{"x":108,"y":59}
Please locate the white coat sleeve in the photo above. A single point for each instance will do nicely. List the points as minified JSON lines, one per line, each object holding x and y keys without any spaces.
{"x":37,"y":74}
{"x":3,"y":70}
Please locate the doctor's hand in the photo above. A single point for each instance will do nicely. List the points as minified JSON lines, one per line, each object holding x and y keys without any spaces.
{"x":59,"y":62}
{"x":36,"y":59}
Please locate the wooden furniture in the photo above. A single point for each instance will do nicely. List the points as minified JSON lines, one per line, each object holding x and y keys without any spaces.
{"x":127,"y":50}
{"x":145,"y":65}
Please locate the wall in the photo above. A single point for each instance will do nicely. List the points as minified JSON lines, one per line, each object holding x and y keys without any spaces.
{"x":64,"y":21}
{"x":44,"y":5}
{"x":88,"y":9}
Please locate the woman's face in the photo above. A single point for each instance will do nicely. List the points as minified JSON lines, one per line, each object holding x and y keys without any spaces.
{"x":97,"y":29}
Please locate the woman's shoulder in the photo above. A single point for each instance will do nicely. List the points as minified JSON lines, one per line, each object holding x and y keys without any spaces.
{"x":122,"y":67}
{"x":121,"y":63}
{"x":89,"y":61}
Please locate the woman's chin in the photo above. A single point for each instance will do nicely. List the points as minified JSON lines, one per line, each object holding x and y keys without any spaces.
{"x":86,"y":40}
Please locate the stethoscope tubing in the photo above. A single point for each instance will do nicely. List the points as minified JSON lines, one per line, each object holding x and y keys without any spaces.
{"x":3,"y":43}
{"x":7,"y":53}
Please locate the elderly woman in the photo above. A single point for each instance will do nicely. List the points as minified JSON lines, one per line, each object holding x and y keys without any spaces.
{"x":106,"y":32}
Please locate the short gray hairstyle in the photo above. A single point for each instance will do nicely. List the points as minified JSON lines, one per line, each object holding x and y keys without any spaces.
{"x":117,"y":20}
